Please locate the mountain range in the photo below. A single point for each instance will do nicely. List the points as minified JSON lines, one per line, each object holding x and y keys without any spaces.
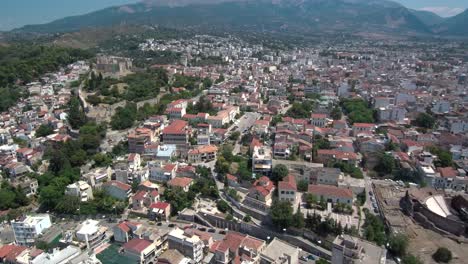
{"x":301,"y":16}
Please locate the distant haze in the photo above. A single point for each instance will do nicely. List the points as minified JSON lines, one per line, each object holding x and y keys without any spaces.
{"x":17,"y":13}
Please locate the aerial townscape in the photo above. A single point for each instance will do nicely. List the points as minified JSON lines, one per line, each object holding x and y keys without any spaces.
{"x":166,"y":132}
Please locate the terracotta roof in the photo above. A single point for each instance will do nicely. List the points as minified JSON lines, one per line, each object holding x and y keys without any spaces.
{"x":448,"y":172}
{"x":124,"y":227}
{"x":176,"y":127}
{"x":137,"y":245}
{"x":319,"y":116}
{"x":180,"y":182}
{"x":119,"y":185}
{"x":139,"y":195}
{"x":327,"y":190}
{"x":263,"y":185}
{"x":159,"y":205}
{"x":364,"y":125}
{"x":337,"y":154}
{"x":288,"y":183}
{"x":203,"y":149}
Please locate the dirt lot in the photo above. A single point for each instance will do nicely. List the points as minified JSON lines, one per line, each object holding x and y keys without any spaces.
{"x":426,"y":242}
{"x":423,"y":242}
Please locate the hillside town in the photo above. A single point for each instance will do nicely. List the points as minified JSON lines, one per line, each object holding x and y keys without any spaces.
{"x":353,"y":152}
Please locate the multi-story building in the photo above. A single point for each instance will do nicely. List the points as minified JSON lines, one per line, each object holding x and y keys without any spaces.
{"x":189,"y":244}
{"x":261,"y":160}
{"x":118,"y":190}
{"x":176,"y":133}
{"x":91,"y":233}
{"x":363,"y":128}
{"x":237,"y":246}
{"x":279,"y":251}
{"x":138,"y":139}
{"x":29,"y":227}
{"x":142,"y":251}
{"x":287,"y":189}
{"x":161,"y":173}
{"x":353,"y":250}
{"x":202,"y":154}
{"x":319,"y":120}
{"x":80,"y":189}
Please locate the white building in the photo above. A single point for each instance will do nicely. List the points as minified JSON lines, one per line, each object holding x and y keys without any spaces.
{"x":278,"y":251}
{"x":27,"y":229}
{"x":261,"y":160}
{"x":80,"y":189}
{"x":91,"y":233}
{"x":190,"y":245}
{"x":348,"y":249}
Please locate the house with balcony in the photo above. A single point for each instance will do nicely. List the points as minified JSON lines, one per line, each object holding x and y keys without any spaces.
{"x":80,"y":189}
{"x":142,"y":251}
{"x":28,"y":228}
{"x":91,"y":234}
{"x":262,"y":160}
{"x":187,"y":243}
{"x":159,"y":172}
{"x":202,"y":154}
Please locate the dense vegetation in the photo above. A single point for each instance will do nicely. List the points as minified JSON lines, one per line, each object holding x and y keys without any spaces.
{"x":23,"y":63}
{"x":11,"y":197}
{"x":358,"y":111}
{"x":301,"y":110}
{"x":135,"y":87}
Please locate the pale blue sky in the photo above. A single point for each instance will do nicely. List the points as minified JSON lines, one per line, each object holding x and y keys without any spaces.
{"x":16,"y":13}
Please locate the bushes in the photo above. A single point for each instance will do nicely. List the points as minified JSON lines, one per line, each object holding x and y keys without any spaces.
{"x":124,"y":117}
{"x":442,"y":255}
{"x":223,"y":206}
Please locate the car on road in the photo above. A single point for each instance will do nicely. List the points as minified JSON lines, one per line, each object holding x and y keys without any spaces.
{"x":211,"y":230}
{"x":222,"y":232}
{"x":311,"y":257}
{"x":202,"y":229}
{"x":171,"y":225}
{"x":370,"y":193}
{"x":304,"y":258}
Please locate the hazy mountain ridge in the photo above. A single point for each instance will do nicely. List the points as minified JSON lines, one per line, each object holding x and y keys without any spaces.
{"x":272,"y":15}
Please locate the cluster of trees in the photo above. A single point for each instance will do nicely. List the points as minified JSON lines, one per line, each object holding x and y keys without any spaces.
{"x":204,"y":105}
{"x":386,"y":165}
{"x":444,"y":157}
{"x":11,"y":197}
{"x":188,"y":82}
{"x":76,"y":115}
{"x":358,"y":111}
{"x":327,"y":226}
{"x":23,"y":63}
{"x":124,"y":117}
{"x":44,"y":130}
{"x":282,"y":216}
{"x":205,"y":186}
{"x":425,"y":120}
{"x":350,"y":169}
{"x":374,"y":229}
{"x":279,"y":172}
{"x":225,"y":161}
{"x":101,"y":204}
{"x":301,"y":110}
{"x":138,"y":86}
{"x":27,"y":62}
{"x":342,"y":208}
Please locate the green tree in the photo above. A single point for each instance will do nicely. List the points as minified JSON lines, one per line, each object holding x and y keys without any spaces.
{"x":281,"y":214}
{"x":302,"y":185}
{"x":298,"y":219}
{"x":279,"y":172}
{"x":322,"y":261}
{"x":411,"y":259}
{"x":44,"y":130}
{"x":234,"y":136}
{"x":336,"y":113}
{"x":386,"y":165}
{"x":247,"y":218}
{"x":425,"y":120}
{"x":442,"y":255}
{"x":223,"y":206}
{"x":398,"y":244}
{"x":76,"y":115}
{"x":124,"y":117}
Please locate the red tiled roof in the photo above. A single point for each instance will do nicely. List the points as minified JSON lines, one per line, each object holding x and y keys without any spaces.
{"x":120,"y":185}
{"x":364,"y":125}
{"x":180,"y":182}
{"x":159,"y":205}
{"x":288,"y":183}
{"x":137,"y":245}
{"x":448,"y":172}
{"x":263,"y":185}
{"x":319,"y":116}
{"x":176,"y":127}
{"x":139,"y":195}
{"x":124,"y":227}
{"x":327,"y":190}
{"x":338,"y":154}
{"x":203,"y":149}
